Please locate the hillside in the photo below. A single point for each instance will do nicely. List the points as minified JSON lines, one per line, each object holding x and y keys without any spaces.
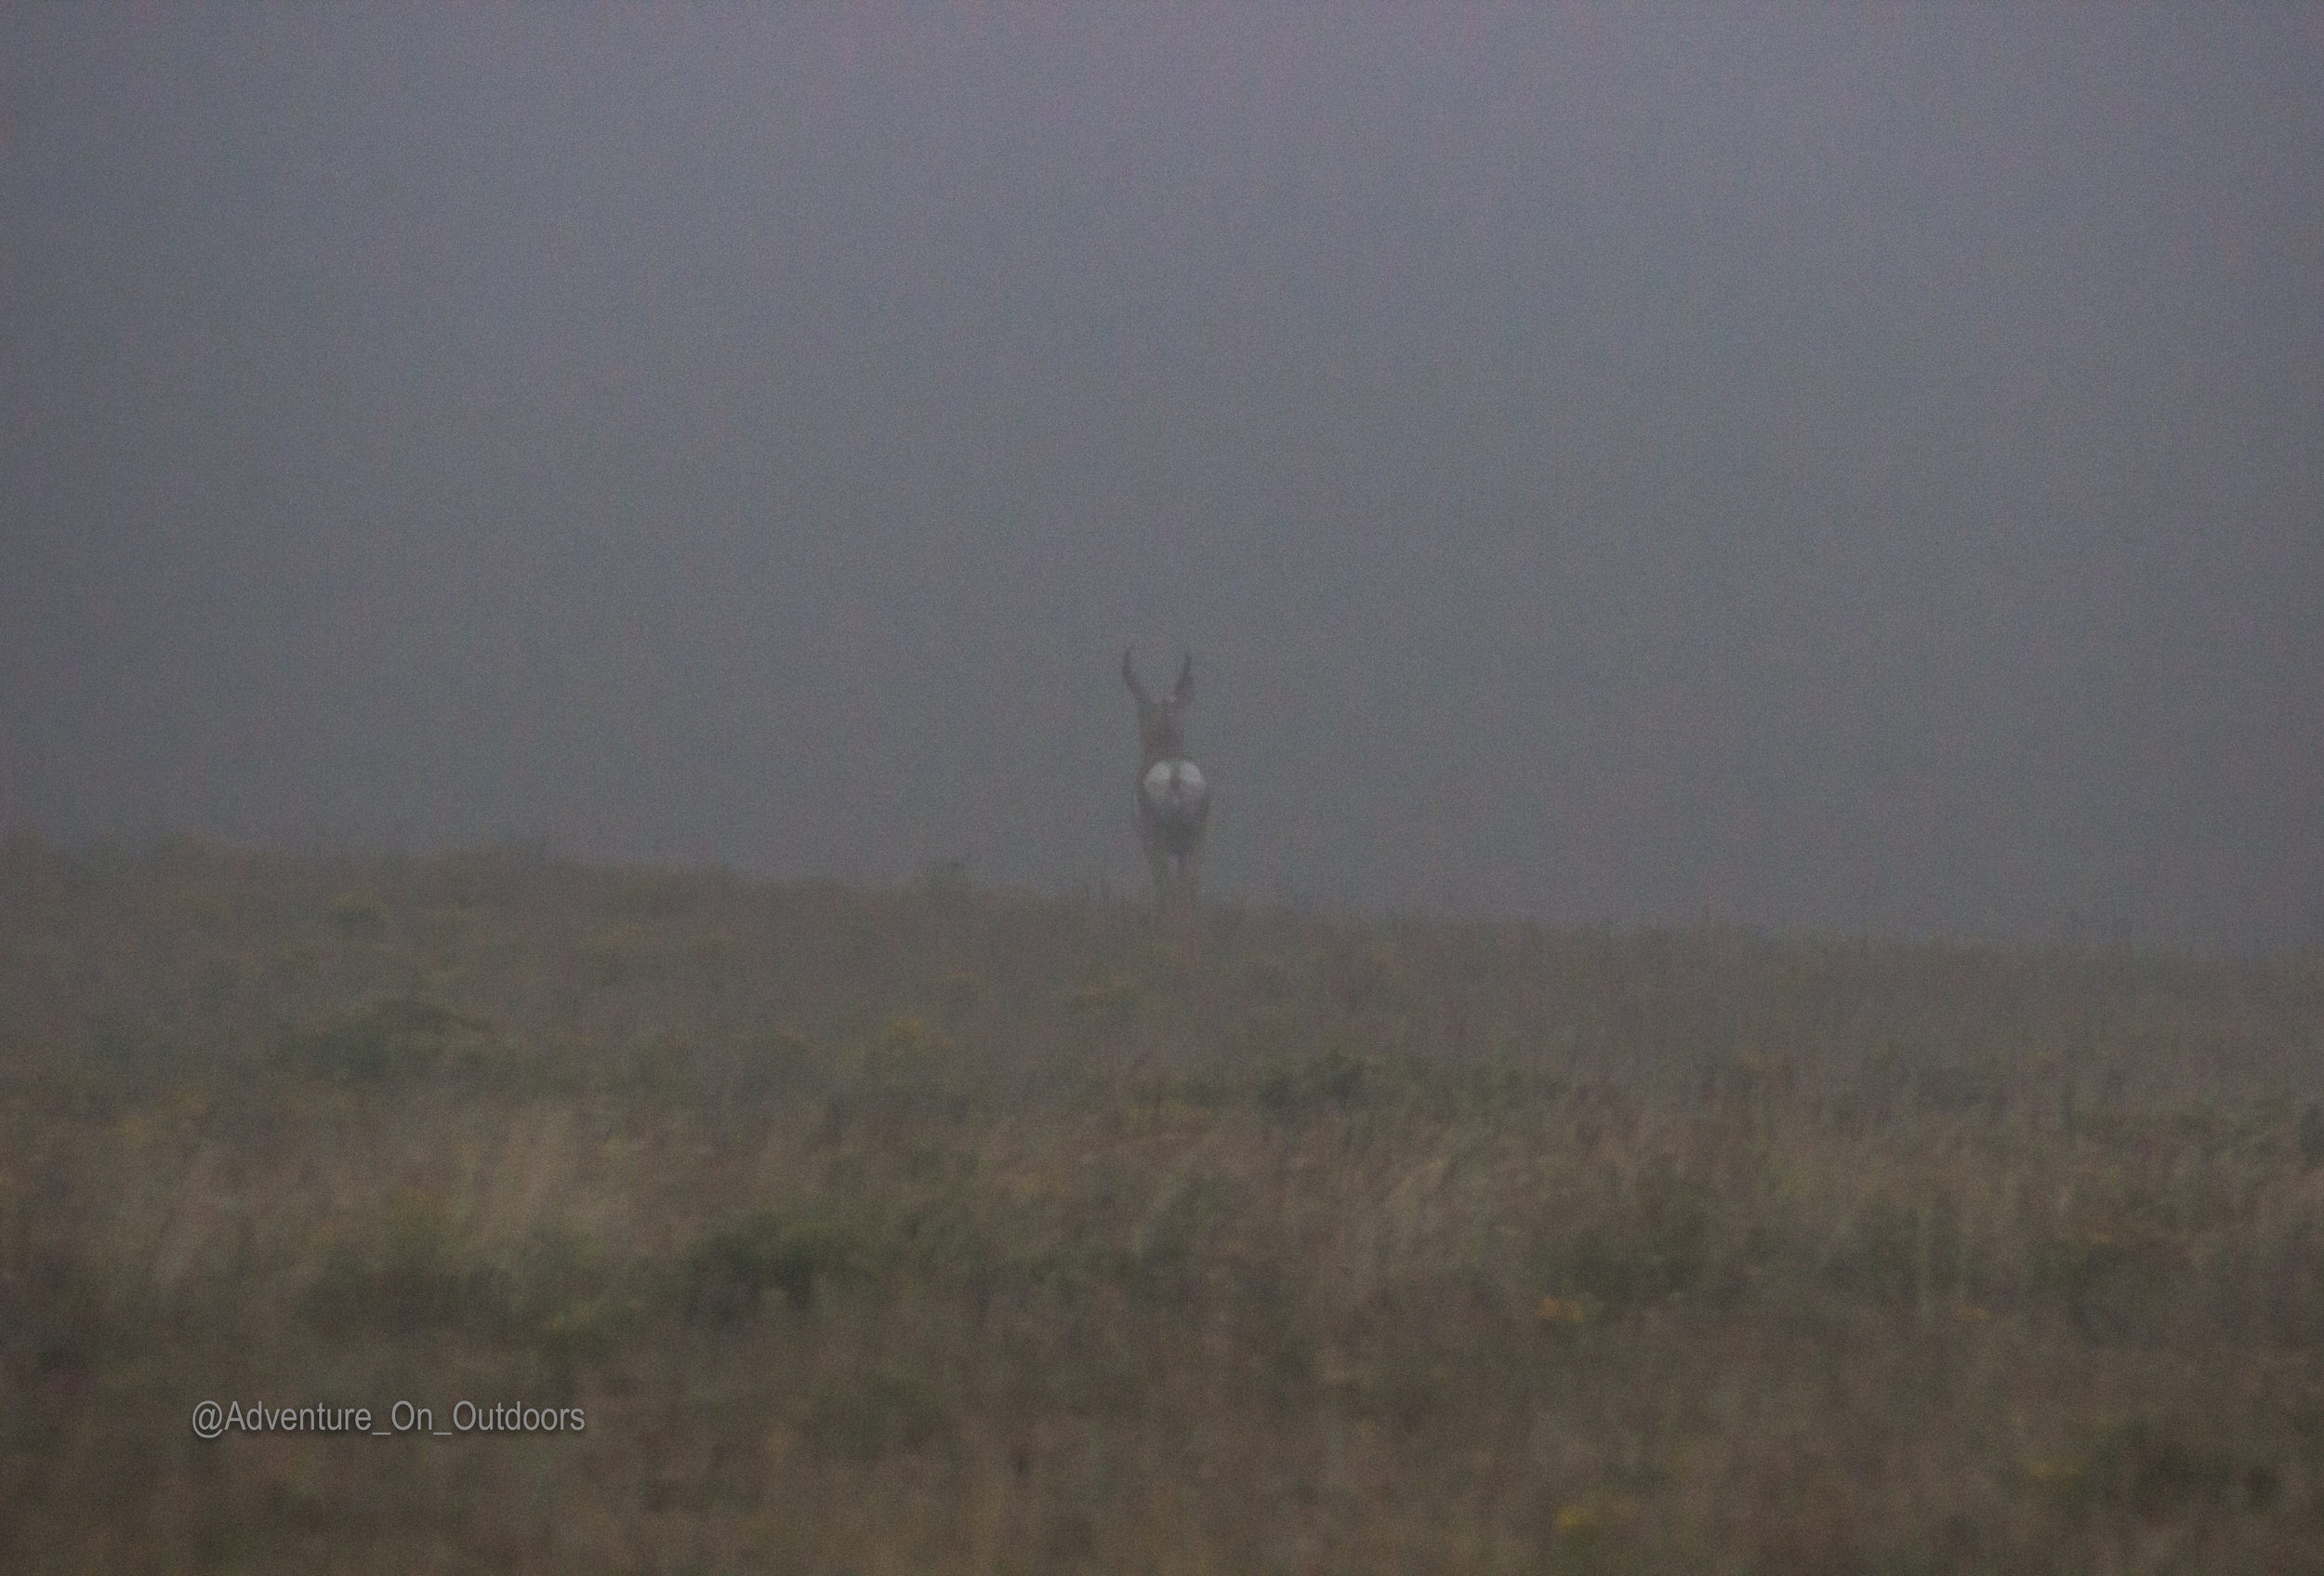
{"x":951,"y":1229}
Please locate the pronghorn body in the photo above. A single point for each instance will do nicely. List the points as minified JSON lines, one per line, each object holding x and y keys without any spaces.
{"x":1173,"y":799}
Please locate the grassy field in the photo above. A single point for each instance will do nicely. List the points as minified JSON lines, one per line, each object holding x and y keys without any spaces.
{"x":943,"y":1229}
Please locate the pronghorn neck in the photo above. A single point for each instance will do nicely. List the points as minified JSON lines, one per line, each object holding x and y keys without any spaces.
{"x":1161,"y":734}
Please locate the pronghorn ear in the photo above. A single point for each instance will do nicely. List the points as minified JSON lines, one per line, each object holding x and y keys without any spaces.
{"x":1130,"y":677}
{"x":1184,"y":693}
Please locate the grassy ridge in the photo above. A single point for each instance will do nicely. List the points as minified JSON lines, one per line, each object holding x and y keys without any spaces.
{"x":943,"y":1229}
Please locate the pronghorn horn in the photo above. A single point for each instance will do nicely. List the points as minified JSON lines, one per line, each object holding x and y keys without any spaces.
{"x":1130,"y":677}
{"x":1185,"y":690}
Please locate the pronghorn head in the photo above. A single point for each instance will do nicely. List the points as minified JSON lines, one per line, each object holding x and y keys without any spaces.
{"x":1161,"y":723}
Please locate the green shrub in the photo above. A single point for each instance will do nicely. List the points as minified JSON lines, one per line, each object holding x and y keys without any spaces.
{"x":729,"y":1271}
{"x":2158,"y":1472}
{"x":1117,"y":1000}
{"x":357,"y":916}
{"x":1334,"y":1080}
{"x":871,"y":1415}
{"x":1882,"y":1255}
{"x":1653,"y":1250}
{"x":400,"y":1272}
{"x":396,"y":1038}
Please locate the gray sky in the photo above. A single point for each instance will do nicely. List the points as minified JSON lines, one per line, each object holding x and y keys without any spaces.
{"x":1857,"y":471}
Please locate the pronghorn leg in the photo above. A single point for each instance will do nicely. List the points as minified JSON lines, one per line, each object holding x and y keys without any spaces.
{"x":1164,"y":879}
{"x":1190,"y":874}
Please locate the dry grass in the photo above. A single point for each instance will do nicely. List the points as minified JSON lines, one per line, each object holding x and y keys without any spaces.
{"x":943,"y":1231}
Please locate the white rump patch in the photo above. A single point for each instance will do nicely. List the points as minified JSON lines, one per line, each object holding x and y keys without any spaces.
{"x":1175,"y":788}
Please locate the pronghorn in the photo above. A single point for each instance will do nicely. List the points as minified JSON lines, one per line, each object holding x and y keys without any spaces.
{"x":1173,"y":801}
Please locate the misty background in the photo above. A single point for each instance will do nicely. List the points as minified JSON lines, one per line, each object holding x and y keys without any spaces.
{"x":1859,"y":473}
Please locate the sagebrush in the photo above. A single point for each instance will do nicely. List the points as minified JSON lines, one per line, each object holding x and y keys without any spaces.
{"x":949,"y":1229}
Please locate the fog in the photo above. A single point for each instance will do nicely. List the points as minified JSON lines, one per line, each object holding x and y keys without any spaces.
{"x":1859,"y":473}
